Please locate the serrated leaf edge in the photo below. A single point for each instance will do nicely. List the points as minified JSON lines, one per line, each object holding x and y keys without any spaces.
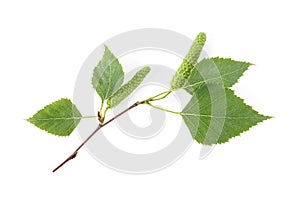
{"x":239,"y":134}
{"x":30,"y":119}
{"x":205,"y":81}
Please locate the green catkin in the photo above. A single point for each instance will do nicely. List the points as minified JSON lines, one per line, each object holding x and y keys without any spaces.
{"x":127,"y":88}
{"x":188,"y":62}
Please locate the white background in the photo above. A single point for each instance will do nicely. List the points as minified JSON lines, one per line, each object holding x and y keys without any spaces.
{"x":42,"y":47}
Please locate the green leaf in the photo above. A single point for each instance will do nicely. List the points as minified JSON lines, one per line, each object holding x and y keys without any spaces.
{"x":108,"y":75}
{"x":128,"y":88}
{"x":215,"y":114}
{"x":59,"y":118}
{"x":222,"y":71}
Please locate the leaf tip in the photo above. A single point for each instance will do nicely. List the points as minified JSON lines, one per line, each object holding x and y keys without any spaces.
{"x":269,"y":117}
{"x":28,"y":120}
{"x":106,"y":49}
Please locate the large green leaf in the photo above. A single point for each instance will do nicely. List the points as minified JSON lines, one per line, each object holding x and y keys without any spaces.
{"x":215,"y":114}
{"x":221,"y":71}
{"x":108,"y":75}
{"x":59,"y":118}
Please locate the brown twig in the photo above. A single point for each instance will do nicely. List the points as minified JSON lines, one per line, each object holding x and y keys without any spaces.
{"x":74,"y":154}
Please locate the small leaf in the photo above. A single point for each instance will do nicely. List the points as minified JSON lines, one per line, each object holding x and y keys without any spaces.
{"x":215,"y":114}
{"x":222,"y":71}
{"x":108,"y":75}
{"x":128,"y":88}
{"x":59,"y":118}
